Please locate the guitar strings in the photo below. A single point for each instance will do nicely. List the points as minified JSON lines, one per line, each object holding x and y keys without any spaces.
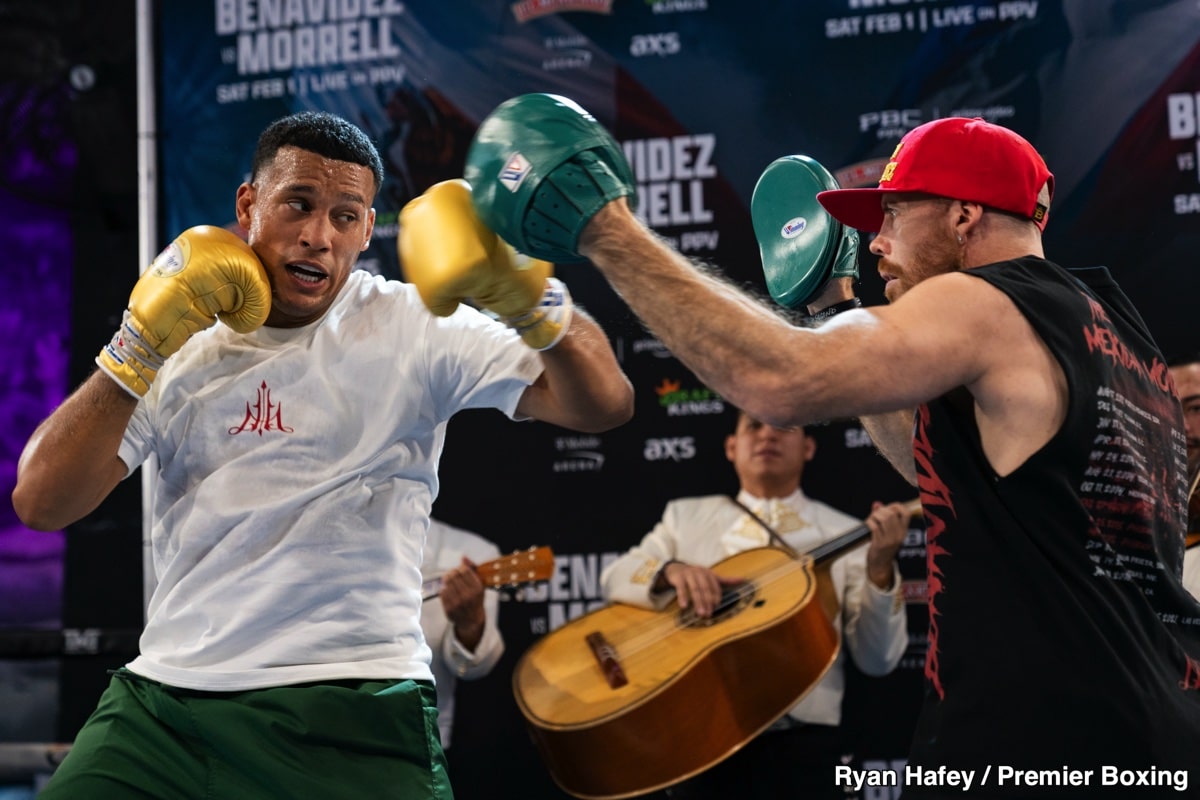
{"x":633,"y":644}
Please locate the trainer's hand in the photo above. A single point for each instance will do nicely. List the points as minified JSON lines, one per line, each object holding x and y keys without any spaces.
{"x":205,"y":274}
{"x":696,"y":587}
{"x":889,"y":525}
{"x":449,"y":255}
{"x":540,"y":167}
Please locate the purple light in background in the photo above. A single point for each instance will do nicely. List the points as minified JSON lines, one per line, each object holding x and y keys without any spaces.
{"x":37,"y":166}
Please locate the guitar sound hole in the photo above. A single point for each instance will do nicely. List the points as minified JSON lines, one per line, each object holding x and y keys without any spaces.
{"x":733,"y":599}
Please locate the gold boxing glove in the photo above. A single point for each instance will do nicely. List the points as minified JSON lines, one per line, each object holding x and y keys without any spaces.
{"x":449,"y":255}
{"x":205,"y":274}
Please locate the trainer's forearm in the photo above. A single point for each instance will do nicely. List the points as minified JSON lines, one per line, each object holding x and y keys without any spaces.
{"x":736,"y":345}
{"x":70,"y":463}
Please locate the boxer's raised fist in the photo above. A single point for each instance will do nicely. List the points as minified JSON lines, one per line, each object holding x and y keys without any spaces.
{"x":205,"y":274}
{"x":449,"y":255}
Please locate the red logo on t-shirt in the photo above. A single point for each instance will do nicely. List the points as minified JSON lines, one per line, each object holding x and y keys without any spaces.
{"x":934,"y":494}
{"x":264,"y":415}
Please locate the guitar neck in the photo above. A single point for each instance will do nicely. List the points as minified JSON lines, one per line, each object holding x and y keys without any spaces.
{"x":839,"y":545}
{"x":843,"y":543}
{"x":514,"y":569}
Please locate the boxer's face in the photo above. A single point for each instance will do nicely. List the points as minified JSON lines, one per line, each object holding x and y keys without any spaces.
{"x":308,"y":217}
{"x":1187,"y":383}
{"x":917,"y":241}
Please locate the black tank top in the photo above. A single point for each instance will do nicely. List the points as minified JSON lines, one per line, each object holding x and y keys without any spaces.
{"x":1060,"y":634}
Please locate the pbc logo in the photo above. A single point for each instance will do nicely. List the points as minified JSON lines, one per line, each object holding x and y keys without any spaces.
{"x":655,"y":44}
{"x":891,"y":122}
{"x":678,"y":448}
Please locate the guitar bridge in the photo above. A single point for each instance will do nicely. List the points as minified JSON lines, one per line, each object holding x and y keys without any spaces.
{"x":606,"y":656}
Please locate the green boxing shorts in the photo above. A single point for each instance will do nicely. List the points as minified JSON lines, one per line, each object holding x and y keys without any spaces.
{"x":350,"y":739}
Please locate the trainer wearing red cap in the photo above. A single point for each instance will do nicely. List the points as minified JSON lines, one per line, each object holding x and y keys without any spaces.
{"x":1032,"y":408}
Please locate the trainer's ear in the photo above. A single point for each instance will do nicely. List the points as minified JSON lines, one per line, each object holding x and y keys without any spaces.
{"x":968,"y":212}
{"x":540,"y":167}
{"x":802,"y":246}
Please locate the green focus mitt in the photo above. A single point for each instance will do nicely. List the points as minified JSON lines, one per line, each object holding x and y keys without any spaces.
{"x":802,"y":246}
{"x":540,"y":167}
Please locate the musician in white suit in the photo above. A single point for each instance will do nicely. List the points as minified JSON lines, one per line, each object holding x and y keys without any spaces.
{"x":461,"y":622}
{"x":797,"y":755}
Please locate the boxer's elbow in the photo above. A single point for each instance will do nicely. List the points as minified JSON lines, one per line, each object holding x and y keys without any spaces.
{"x":613,"y":406}
{"x":44,"y":504}
{"x":36,"y":510}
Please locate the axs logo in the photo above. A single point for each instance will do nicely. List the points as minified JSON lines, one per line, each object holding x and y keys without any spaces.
{"x":679,"y":448}
{"x":655,"y":44}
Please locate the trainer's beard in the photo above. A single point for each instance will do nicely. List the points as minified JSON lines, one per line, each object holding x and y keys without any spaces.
{"x":936,"y":254}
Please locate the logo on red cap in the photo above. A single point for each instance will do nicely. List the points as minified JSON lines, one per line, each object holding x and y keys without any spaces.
{"x":890,"y":169}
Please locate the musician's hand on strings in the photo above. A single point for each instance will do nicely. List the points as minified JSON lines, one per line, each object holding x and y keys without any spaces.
{"x":889,"y":525}
{"x":696,"y":587}
{"x":462,"y":600}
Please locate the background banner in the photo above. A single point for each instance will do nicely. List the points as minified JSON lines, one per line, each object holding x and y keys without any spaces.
{"x":702,"y":95}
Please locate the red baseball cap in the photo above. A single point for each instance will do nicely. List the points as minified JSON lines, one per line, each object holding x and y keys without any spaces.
{"x":959,"y":158}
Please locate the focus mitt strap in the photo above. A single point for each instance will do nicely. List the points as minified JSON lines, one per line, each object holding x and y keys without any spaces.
{"x":815,"y":320}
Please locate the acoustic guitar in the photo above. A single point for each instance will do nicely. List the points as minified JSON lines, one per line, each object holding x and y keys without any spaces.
{"x":625,"y":700}
{"x":514,"y":569}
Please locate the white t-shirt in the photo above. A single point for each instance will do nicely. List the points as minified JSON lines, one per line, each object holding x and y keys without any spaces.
{"x":297,"y":470}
